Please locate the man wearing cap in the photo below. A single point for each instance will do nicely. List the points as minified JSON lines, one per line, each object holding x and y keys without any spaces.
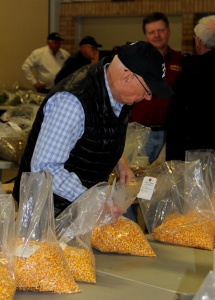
{"x":79,"y":132}
{"x":88,"y":48}
{"x":42,"y":65}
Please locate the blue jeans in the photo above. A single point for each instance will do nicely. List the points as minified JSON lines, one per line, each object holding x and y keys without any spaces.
{"x":155,"y":142}
{"x":131,"y":212}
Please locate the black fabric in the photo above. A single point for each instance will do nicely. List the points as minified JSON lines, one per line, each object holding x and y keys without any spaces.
{"x":144,"y":59}
{"x":158,"y":128}
{"x":89,"y":40}
{"x":54,"y":36}
{"x":190,"y":119}
{"x":73,"y":63}
{"x":102,"y":144}
{"x":59,"y":205}
{"x":43,"y":91}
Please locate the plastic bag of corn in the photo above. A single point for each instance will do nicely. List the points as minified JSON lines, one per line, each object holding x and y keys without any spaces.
{"x":73,"y":229}
{"x":7,"y":236}
{"x":99,"y":205}
{"x":189,"y":230}
{"x":180,"y":210}
{"x":81,"y":259}
{"x":123,"y":236}
{"x":40,"y":264}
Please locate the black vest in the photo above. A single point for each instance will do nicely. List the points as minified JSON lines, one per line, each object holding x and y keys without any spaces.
{"x":101,"y":146}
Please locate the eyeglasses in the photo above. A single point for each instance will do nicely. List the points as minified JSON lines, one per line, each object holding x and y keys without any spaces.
{"x":147,"y":91}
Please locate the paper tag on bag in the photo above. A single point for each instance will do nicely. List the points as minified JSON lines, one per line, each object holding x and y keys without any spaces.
{"x":147,"y":188}
{"x":63,"y":245}
{"x":14,"y":126}
{"x":26,"y":250}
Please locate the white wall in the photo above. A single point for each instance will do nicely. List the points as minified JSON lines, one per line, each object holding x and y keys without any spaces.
{"x":116,"y":31}
{"x":113,"y":31}
{"x":24,"y":26}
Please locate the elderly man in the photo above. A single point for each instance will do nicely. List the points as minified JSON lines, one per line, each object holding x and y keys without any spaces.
{"x":42,"y":65}
{"x":79,"y":132}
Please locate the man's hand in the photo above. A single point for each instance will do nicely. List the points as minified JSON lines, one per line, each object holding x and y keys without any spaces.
{"x":123,"y":171}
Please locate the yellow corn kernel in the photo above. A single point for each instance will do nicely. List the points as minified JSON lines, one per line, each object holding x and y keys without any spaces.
{"x":45,"y":271}
{"x":123,"y":236}
{"x":189,"y":230}
{"x":7,"y":284}
{"x":81,"y":263}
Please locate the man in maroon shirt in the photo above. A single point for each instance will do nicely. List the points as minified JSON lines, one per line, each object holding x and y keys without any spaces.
{"x":153,"y":113}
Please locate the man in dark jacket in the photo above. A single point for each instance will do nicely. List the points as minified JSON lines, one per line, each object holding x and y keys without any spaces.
{"x":85,"y":55}
{"x":191,"y":114}
{"x":79,"y":132}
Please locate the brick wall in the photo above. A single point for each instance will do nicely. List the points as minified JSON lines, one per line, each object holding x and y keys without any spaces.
{"x":186,"y":8}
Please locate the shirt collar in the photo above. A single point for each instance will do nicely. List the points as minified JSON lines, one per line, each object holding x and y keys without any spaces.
{"x":114,"y":104}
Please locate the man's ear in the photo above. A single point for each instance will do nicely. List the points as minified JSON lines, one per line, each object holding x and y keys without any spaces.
{"x":199,"y":42}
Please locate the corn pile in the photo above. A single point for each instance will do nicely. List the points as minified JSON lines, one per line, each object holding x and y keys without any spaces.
{"x":81,"y":263}
{"x":46,"y":270}
{"x":7,"y":284}
{"x":186,"y":230}
{"x":123,"y":236}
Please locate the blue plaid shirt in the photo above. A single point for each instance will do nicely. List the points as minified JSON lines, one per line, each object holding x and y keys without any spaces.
{"x":62,"y":127}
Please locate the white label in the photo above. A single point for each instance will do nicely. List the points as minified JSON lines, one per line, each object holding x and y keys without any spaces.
{"x":14,"y":126}
{"x":26,"y":250}
{"x":63,"y":245}
{"x":147,"y":188}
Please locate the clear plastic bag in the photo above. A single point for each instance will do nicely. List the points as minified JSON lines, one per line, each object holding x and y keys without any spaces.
{"x":12,"y":143}
{"x":99,"y":205}
{"x":180,"y":210}
{"x":136,"y":138}
{"x":7,"y":236}
{"x":122,"y":236}
{"x":14,"y":129}
{"x":80,"y":257}
{"x":22,"y":115}
{"x":19,"y":96}
{"x":207,"y":161}
{"x":40,"y":264}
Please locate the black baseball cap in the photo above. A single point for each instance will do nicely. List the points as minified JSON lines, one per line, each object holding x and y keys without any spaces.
{"x":143,"y":59}
{"x":89,"y":40}
{"x":55,"y":36}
